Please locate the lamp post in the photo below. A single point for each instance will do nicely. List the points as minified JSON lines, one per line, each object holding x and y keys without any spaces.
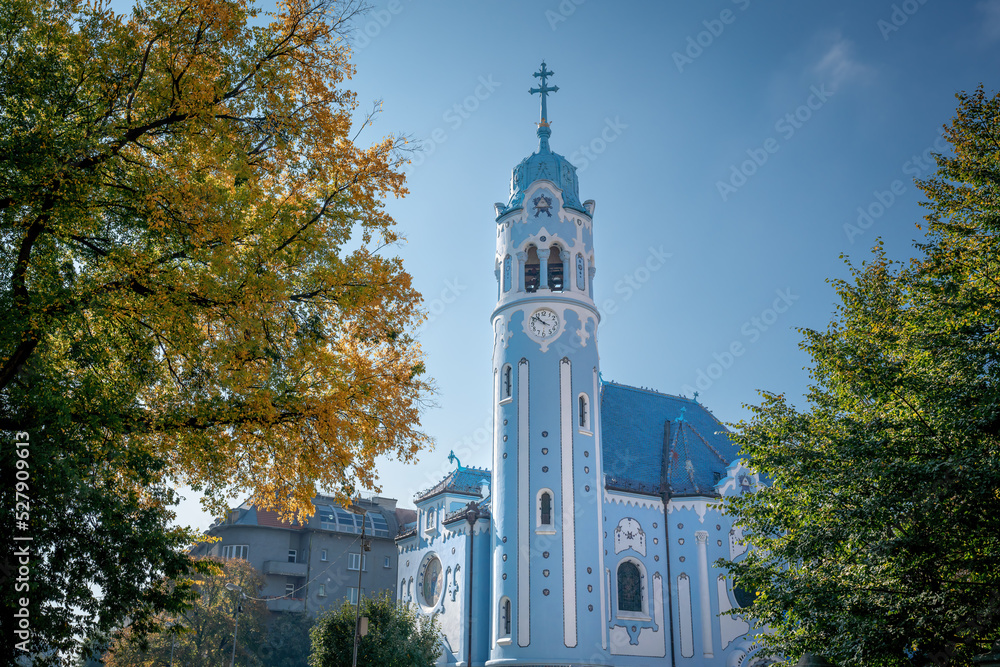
{"x":236,"y":627}
{"x":357,"y":509}
{"x":472,"y":516}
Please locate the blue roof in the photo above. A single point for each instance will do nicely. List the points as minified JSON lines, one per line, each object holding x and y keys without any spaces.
{"x":548,"y":166}
{"x":655,"y":442}
{"x":467,"y":481}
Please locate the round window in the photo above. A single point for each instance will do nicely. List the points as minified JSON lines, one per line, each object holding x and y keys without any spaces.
{"x":431,"y":580}
{"x":744,"y":596}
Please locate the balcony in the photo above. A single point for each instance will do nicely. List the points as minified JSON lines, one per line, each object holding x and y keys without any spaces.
{"x":285,"y":568}
{"x":286,"y":604}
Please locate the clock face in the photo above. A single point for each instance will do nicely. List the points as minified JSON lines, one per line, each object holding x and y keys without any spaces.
{"x":543,"y":323}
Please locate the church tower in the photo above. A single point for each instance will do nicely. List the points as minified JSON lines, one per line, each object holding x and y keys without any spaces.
{"x":547,"y":546}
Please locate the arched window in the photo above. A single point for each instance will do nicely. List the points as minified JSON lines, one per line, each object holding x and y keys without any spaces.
{"x":584,"y":408}
{"x":531,"y":268}
{"x":503,"y":619}
{"x":506,"y":273}
{"x":545,"y":509}
{"x":545,"y":512}
{"x":555,"y":277}
{"x":629,"y":587}
{"x":581,"y":274}
{"x":506,"y":382}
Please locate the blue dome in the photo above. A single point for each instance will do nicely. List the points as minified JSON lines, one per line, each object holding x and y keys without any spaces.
{"x":544,"y":164}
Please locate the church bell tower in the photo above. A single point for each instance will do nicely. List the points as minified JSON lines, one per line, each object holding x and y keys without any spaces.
{"x":547,"y":554}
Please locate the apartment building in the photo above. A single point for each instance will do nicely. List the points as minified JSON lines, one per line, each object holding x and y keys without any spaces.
{"x":308,"y":567}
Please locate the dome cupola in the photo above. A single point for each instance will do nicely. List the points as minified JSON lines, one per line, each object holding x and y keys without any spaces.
{"x":544,"y":164}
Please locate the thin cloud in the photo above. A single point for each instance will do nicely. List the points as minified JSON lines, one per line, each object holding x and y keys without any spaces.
{"x":838,"y":65}
{"x":989,"y":10}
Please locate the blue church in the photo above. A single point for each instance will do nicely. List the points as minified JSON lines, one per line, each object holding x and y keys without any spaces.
{"x":594,"y":538}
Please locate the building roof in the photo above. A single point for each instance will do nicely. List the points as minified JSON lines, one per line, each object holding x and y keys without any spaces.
{"x":654,"y":443}
{"x":482,"y":506}
{"x":462,"y":480}
{"x":381,"y":519}
{"x":547,"y":165}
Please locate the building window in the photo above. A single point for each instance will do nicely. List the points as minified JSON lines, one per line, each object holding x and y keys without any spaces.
{"x":629,"y":587}
{"x":430,"y":519}
{"x":506,"y":382}
{"x":291,"y":555}
{"x":584,"y":407}
{"x":555,"y":277}
{"x":322,"y":591}
{"x":357,"y":562}
{"x":506,"y":273}
{"x":545,"y":511}
{"x":531,"y":269}
{"x":289,"y":590}
{"x":387,"y":563}
{"x":236,"y":551}
{"x":353,"y":593}
{"x":503,"y":619}
{"x":323,"y":555}
{"x":402,"y":589}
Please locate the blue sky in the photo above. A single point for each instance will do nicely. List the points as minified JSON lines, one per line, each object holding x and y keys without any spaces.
{"x":731,"y":146}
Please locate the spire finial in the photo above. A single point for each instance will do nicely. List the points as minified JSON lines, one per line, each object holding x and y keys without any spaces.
{"x":543,"y":123}
{"x":454,"y":459}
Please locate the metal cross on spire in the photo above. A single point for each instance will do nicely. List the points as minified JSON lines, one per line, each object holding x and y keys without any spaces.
{"x":544,"y":90}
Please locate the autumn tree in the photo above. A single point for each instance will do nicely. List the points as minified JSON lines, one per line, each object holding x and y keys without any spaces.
{"x":877,"y":540}
{"x":396,"y":637}
{"x":203,"y":634}
{"x":198,"y":285}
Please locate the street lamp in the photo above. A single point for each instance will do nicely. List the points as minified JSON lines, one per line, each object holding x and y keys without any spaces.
{"x":472,"y":516}
{"x":358,"y":509}
{"x":239,"y":606}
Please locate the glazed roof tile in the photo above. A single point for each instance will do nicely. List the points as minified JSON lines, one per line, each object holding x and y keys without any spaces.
{"x":655,"y":442}
{"x":466,"y":481}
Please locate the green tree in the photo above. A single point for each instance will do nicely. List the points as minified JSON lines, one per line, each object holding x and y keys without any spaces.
{"x":196,"y":285}
{"x":203,"y":634}
{"x":396,"y":636}
{"x":877,"y":538}
{"x":287,"y":641}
